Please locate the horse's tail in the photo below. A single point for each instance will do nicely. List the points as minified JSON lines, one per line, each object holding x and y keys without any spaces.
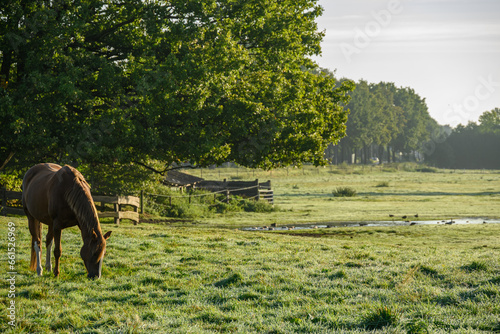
{"x":36,"y":236}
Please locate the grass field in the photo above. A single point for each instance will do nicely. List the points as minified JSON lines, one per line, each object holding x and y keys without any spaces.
{"x":192,"y":277}
{"x":305,"y":195}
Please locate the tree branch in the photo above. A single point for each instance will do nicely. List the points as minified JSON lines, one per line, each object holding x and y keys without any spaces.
{"x":106,"y":32}
{"x":11,"y":154}
{"x":165,"y":171}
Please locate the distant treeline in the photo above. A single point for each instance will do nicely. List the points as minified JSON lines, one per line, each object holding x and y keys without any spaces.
{"x":474,"y":146}
{"x":389,"y":123}
{"x":385,"y":122}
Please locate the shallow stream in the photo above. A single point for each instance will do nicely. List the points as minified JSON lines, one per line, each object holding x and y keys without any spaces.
{"x":451,"y":221}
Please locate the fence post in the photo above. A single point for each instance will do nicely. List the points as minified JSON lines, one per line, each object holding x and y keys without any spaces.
{"x":258,"y":189}
{"x":4,"y":201}
{"x":227,"y":196}
{"x":142,"y":201}
{"x":117,"y":211}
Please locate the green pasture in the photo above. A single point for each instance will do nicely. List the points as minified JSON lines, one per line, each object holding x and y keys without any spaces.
{"x":304,"y":195}
{"x":202,"y":275}
{"x":161,"y":279}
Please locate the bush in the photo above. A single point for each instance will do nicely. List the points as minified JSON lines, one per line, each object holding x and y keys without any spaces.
{"x":173,"y":204}
{"x":223,"y":207}
{"x":427,"y":170}
{"x":11,"y":179}
{"x":344,"y":192}
{"x":382,"y":184}
{"x":258,"y":206}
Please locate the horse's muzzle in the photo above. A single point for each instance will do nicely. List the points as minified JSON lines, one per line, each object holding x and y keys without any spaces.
{"x":98,"y":275}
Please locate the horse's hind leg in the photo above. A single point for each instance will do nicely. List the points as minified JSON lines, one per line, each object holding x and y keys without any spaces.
{"x":36,"y":245}
{"x":48,"y":246}
{"x":57,"y":247}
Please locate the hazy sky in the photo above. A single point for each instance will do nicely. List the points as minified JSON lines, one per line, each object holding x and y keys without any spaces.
{"x":447,"y":50}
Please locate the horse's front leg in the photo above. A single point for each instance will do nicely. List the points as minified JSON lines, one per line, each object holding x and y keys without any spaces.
{"x":57,"y":249}
{"x":48,"y":246}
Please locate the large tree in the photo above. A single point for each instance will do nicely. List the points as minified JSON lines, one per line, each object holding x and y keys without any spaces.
{"x":386,"y":117}
{"x":200,"y":81}
{"x":489,"y":121}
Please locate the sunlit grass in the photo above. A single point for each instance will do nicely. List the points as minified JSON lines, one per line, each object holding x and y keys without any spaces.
{"x":304,"y":195}
{"x":202,"y":280}
{"x":200,"y":276}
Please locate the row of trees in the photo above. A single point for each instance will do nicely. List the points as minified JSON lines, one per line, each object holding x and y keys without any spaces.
{"x":199,"y":81}
{"x":475,"y":145}
{"x":151,"y":83}
{"x":384,"y":121}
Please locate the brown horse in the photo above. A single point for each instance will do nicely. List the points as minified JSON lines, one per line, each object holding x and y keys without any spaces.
{"x":60,"y":197}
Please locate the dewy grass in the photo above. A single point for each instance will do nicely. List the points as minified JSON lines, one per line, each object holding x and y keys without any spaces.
{"x":190,"y":279}
{"x":304,"y":195}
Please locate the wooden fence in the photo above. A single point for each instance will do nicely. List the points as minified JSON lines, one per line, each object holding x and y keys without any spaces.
{"x":250,"y":189}
{"x":119,"y":203}
{"x":11,"y":200}
{"x":8,"y":198}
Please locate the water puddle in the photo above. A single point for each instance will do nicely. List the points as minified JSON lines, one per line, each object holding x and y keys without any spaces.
{"x":461,"y":221}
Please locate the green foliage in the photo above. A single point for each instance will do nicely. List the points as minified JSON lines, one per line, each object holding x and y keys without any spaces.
{"x":472,"y":146}
{"x":105,"y":82}
{"x":200,"y":203}
{"x":489,"y":121}
{"x":258,"y":206}
{"x":344,"y":192}
{"x":122,"y":179}
{"x":11,"y":179}
{"x":223,"y":207}
{"x":426,"y":169}
{"x":390,"y":118}
{"x":182,"y":210}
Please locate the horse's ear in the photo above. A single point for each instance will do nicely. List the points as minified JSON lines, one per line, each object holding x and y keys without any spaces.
{"x":107,"y":235}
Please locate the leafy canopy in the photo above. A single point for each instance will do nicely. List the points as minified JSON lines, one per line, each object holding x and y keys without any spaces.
{"x":177,"y":81}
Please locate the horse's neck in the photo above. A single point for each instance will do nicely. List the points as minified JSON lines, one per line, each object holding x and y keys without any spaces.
{"x":87,"y":232}
{"x":82,"y":205}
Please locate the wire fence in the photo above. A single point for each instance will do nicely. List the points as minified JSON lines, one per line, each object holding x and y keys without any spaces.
{"x":264,"y":194}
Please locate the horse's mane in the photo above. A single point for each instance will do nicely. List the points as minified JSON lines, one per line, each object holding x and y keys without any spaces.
{"x":80,"y":201}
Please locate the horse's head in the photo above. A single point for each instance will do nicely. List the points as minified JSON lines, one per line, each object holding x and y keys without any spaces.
{"x":92,"y":253}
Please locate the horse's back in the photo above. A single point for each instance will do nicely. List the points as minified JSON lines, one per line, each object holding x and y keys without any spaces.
{"x":36,"y":185}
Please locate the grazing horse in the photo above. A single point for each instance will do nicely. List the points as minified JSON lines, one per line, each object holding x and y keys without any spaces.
{"x":60,"y":197}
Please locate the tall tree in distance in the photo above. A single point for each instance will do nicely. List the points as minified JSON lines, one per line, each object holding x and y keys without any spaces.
{"x":489,"y":121}
{"x":385,"y":120}
{"x":418,"y":124}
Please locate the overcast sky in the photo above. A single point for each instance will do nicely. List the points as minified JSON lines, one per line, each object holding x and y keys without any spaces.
{"x":447,"y":50}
